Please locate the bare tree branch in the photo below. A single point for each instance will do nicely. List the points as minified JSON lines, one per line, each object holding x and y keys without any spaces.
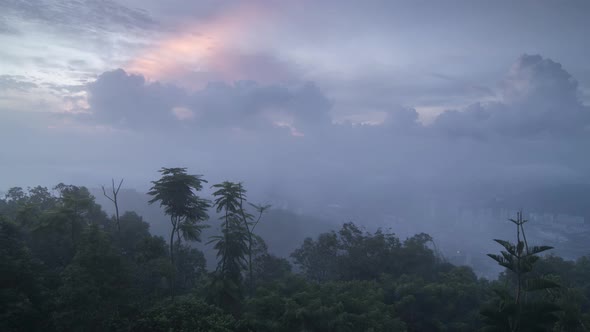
{"x":113,"y":199}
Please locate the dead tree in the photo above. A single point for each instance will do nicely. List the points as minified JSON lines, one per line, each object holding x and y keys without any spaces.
{"x":113,"y":199}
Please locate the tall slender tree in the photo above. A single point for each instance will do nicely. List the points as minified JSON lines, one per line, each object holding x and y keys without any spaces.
{"x":227,"y":201}
{"x":525,"y":310}
{"x":232,"y":198}
{"x":231,"y":246}
{"x":176,"y":192}
{"x":250,"y":225}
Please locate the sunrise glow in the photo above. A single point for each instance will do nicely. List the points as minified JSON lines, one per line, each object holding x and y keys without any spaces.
{"x":200,"y":48}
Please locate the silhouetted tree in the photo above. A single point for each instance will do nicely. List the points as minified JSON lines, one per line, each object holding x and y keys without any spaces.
{"x":231,"y":246}
{"x":113,"y":198}
{"x":175,"y":191}
{"x":522,"y":311}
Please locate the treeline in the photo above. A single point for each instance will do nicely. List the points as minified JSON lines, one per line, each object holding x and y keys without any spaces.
{"x":67,"y":266}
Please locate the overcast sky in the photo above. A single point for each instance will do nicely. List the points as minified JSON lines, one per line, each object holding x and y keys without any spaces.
{"x":295,"y":95}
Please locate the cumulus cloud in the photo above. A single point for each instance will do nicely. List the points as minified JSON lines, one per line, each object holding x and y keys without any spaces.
{"x":129,"y":101}
{"x":539,"y":97}
{"x":282,"y":136}
{"x":533,"y":78}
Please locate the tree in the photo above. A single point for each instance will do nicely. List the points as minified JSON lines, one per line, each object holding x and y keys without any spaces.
{"x":17,"y":201}
{"x":297,"y":305}
{"x":113,"y":198}
{"x":187,"y":314}
{"x":41,"y":198}
{"x":175,"y":191}
{"x":268,"y":267}
{"x":231,"y":246}
{"x":232,"y":197}
{"x":54,"y":224}
{"x":449,"y":301}
{"x":94,"y":293}
{"x":574,"y":292}
{"x":318,"y":259}
{"x":79,"y":205}
{"x":190,"y":266}
{"x":15,"y":194}
{"x":21,"y":288}
{"x":522,"y":311}
{"x":133,"y":231}
{"x":252,"y":238}
{"x":153,"y":270}
{"x":353,"y":254}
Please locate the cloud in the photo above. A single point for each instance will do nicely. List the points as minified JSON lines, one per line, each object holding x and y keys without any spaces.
{"x":7,"y":28}
{"x":78,"y":15}
{"x":358,"y":104}
{"x":286,"y":133}
{"x":129,"y":101}
{"x":539,"y":98}
{"x":533,"y":79}
{"x":12,"y":82}
{"x":65,"y":42}
{"x":228,"y":44}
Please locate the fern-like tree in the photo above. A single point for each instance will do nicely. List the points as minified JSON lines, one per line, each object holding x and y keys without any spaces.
{"x":249,"y":223}
{"x":528,"y":307}
{"x":231,"y":198}
{"x":235,"y":245}
{"x":231,"y":246}
{"x":176,"y":191}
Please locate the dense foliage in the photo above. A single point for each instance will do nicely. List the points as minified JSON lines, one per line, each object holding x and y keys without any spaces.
{"x":67,"y":266}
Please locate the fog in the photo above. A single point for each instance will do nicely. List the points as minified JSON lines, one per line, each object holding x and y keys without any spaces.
{"x":409,"y":133}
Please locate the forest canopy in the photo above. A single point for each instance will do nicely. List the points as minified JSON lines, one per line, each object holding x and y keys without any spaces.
{"x":65,"y":265}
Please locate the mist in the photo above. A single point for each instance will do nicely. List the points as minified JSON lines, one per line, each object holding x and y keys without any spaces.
{"x":488,"y":159}
{"x":443,"y":119}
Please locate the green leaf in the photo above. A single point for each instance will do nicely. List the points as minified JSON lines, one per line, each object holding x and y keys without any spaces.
{"x":538,"y":249}
{"x":509,"y":246}
{"x":540,"y":284}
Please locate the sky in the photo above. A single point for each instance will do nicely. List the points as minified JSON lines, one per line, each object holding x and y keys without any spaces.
{"x":311,"y":100}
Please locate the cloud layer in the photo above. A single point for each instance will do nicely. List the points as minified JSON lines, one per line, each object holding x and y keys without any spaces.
{"x":538,"y":98}
{"x":326,"y":101}
{"x":283,"y":140}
